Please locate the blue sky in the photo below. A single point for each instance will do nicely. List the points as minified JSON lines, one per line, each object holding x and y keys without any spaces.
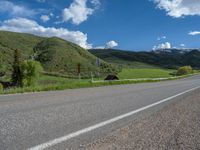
{"x":121,"y":24}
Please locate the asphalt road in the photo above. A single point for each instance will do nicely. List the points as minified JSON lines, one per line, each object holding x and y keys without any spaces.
{"x":29,"y":120}
{"x":174,"y":127}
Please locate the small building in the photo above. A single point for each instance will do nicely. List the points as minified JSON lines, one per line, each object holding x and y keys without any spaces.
{"x":111,"y":77}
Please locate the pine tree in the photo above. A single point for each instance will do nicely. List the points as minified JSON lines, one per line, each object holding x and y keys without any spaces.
{"x":17,"y":73}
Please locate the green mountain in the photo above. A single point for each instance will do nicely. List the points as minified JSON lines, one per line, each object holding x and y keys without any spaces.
{"x":169,"y":58}
{"x":55,"y":54}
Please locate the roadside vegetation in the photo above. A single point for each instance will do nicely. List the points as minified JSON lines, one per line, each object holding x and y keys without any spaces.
{"x":29,"y":63}
{"x":185,"y":70}
{"x":60,"y":83}
{"x":50,"y":83}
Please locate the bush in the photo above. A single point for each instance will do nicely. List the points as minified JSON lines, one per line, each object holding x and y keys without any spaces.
{"x":31,"y":71}
{"x":1,"y":87}
{"x":184,"y":70}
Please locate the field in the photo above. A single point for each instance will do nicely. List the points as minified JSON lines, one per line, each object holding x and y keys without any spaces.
{"x":48,"y":83}
{"x":145,"y":73}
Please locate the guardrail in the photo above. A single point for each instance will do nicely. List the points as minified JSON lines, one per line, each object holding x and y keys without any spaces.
{"x":144,"y":79}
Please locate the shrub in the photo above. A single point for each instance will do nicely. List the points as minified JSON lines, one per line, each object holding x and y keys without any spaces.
{"x":1,"y":87}
{"x":184,"y":70}
{"x":31,"y":71}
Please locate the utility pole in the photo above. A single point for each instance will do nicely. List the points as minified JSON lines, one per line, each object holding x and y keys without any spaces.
{"x":92,"y":77}
{"x":79,"y":70}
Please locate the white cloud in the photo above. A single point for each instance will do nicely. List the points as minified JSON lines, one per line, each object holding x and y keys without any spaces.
{"x":111,"y":44}
{"x":162,"y":37}
{"x":165,"y":45}
{"x":45,"y":18}
{"x":99,"y":47}
{"x":179,"y":8}
{"x":194,"y":33}
{"x":95,"y":3}
{"x":51,"y":14}
{"x":182,"y":45}
{"x":78,"y":11}
{"x":15,"y":10}
{"x":41,"y":1}
{"x":30,"y":26}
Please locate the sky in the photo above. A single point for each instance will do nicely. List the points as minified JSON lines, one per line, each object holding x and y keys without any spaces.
{"x":134,"y":25}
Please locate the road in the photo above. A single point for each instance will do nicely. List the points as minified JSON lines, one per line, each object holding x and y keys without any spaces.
{"x":60,"y":119}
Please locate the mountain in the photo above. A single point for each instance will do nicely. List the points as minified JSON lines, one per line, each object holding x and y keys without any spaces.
{"x":167,"y":59}
{"x":55,"y":54}
{"x":175,"y":50}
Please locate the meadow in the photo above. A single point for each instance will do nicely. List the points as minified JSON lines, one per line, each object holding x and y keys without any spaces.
{"x":145,"y":73}
{"x":50,"y":83}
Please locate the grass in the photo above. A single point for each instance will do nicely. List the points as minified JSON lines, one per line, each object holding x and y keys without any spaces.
{"x":72,"y":85}
{"x":145,"y":73}
{"x":52,"y":83}
{"x":130,"y":64}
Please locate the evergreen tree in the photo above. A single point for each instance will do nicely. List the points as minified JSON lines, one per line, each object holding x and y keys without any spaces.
{"x":17,"y":75}
{"x":2,"y":67}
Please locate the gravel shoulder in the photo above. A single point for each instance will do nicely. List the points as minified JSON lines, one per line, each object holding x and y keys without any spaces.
{"x":176,"y":126}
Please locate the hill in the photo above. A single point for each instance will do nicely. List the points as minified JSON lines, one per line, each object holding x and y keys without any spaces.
{"x":167,"y":59}
{"x":55,"y":54}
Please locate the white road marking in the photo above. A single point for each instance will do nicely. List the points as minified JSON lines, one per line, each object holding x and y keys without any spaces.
{"x":104,"y":123}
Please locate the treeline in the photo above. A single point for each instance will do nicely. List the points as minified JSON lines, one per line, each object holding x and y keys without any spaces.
{"x":172,"y":60}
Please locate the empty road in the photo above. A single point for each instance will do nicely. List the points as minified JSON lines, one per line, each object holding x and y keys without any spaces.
{"x":71,"y":118}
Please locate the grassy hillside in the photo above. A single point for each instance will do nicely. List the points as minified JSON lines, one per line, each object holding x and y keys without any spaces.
{"x":11,"y":40}
{"x":56,"y":55}
{"x":161,"y":59}
{"x":59,"y":55}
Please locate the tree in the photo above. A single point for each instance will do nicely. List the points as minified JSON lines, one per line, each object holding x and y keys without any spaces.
{"x":31,"y":71}
{"x":2,"y":67}
{"x":16,"y":72}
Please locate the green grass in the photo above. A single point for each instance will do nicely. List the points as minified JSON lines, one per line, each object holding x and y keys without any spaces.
{"x":74,"y":85}
{"x":70,"y":84}
{"x":144,"y":73}
{"x":52,"y":83}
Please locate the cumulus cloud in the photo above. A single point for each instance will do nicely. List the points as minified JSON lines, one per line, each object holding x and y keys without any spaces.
{"x":111,"y":44}
{"x":15,"y":10}
{"x":194,"y":33}
{"x":45,"y":18}
{"x":30,"y":26}
{"x":179,"y":8}
{"x":165,"y":45}
{"x":78,"y":11}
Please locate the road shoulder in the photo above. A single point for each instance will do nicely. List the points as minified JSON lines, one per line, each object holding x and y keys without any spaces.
{"x":176,"y":126}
